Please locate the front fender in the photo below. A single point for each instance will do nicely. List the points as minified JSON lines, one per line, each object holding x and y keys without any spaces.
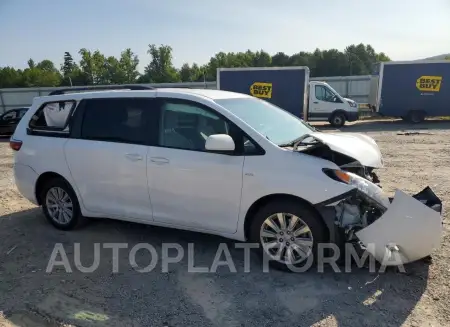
{"x":300,"y":175}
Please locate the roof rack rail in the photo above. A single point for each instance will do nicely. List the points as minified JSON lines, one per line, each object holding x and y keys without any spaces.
{"x":101,"y":88}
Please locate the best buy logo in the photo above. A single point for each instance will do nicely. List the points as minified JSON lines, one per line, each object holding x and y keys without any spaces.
{"x":261,"y":90}
{"x":429,"y":83}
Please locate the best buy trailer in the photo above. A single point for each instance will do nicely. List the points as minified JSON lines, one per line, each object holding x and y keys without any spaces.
{"x":411,"y":90}
{"x":290,"y":89}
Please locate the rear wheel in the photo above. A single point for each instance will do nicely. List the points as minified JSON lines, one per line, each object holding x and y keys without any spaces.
{"x":60,"y":205}
{"x":415,"y":116}
{"x":288,"y":233}
{"x":337,"y":119}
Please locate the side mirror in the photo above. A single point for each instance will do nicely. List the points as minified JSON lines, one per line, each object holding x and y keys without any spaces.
{"x":219,"y":142}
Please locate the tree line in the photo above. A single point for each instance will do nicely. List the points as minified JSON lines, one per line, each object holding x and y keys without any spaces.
{"x":96,"y":68}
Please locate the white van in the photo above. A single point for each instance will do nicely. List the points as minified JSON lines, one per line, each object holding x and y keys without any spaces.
{"x":326,"y":104}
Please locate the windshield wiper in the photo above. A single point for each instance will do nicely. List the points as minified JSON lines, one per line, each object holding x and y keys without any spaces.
{"x":295,"y":142}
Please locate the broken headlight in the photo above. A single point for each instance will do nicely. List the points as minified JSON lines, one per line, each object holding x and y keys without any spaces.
{"x":366,"y":187}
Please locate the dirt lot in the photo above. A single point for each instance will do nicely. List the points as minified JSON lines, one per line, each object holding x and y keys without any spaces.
{"x":31,"y":297}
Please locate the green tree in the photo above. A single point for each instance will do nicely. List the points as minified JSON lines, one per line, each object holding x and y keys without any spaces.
{"x":128,"y":64}
{"x":96,"y":68}
{"x":86,"y":64}
{"x":72,"y":75}
{"x":280,"y":59}
{"x":10,"y":77}
{"x":41,"y":75}
{"x":185,"y":73}
{"x":69,"y":65}
{"x":191,"y":73}
{"x":31,"y":63}
{"x":160,"y":69}
{"x":47,"y":66}
{"x":93,"y":65}
{"x":261,"y":59}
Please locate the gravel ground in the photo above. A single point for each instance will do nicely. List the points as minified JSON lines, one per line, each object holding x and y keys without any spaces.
{"x":29,"y":296}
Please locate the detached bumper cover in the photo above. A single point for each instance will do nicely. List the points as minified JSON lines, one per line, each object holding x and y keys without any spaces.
{"x":409,"y":230}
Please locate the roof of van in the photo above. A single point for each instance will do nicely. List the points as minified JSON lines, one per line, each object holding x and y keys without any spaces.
{"x":209,"y":93}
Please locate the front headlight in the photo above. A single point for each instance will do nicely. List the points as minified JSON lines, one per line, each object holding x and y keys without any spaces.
{"x":352,"y":104}
{"x":368,"y":188}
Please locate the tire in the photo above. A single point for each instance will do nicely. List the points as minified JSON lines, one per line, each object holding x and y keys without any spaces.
{"x":57,"y":190}
{"x":307,"y":216}
{"x":415,"y":116}
{"x":337,"y":119}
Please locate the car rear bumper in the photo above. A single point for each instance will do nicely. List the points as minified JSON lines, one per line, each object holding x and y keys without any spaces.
{"x":409,"y":230}
{"x":25,"y":179}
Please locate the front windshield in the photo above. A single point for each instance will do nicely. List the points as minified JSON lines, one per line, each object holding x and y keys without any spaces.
{"x":278,"y":125}
{"x":336,"y":93}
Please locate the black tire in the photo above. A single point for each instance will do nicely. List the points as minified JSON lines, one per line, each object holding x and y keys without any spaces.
{"x":415,"y":116}
{"x":305,"y":213}
{"x":337,"y":119}
{"x":77,"y":220}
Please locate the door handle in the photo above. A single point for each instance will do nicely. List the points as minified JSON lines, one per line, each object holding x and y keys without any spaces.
{"x":159,"y":160}
{"x":316,"y":102}
{"x":133,"y":156}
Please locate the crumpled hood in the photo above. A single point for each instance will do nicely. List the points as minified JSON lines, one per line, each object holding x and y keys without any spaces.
{"x":357,"y":146}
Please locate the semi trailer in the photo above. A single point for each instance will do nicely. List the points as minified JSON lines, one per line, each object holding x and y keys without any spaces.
{"x":411,"y":90}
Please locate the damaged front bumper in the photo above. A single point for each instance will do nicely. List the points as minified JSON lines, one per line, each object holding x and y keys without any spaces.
{"x":395,"y":231}
{"x":409,"y":230}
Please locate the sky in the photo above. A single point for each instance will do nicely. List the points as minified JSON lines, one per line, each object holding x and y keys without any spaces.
{"x":198,"y":29}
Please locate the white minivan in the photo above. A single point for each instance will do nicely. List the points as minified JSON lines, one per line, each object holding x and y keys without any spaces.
{"x":214,"y":162}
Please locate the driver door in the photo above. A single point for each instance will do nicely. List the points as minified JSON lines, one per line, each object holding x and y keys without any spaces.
{"x":323,"y":102}
{"x":189,"y":186}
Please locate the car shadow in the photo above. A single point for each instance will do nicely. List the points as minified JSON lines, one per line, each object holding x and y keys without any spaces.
{"x":177,"y":296}
{"x":388,"y":125}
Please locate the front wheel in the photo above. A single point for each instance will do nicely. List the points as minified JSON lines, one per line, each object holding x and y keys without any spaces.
{"x":337,"y":119}
{"x":288,"y":233}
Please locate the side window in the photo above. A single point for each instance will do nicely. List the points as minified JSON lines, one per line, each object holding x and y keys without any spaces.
{"x":320,"y":92}
{"x":250,"y":147}
{"x":123,"y":120}
{"x":185,"y":125}
{"x":52,"y":115}
{"x":22,"y":113}
{"x":9,"y":115}
{"x":324,"y":94}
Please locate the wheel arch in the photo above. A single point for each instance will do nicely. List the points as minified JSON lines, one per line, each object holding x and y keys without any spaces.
{"x":42,"y":179}
{"x":341,"y":111}
{"x":253,"y":209}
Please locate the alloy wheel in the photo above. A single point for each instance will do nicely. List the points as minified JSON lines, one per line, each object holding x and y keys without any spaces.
{"x":59,"y":205}
{"x":286,"y":238}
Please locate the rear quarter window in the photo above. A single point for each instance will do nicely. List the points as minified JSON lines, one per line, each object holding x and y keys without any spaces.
{"x":53,"y":116}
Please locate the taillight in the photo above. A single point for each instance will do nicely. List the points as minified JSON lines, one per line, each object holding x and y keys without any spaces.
{"x":15,"y":145}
